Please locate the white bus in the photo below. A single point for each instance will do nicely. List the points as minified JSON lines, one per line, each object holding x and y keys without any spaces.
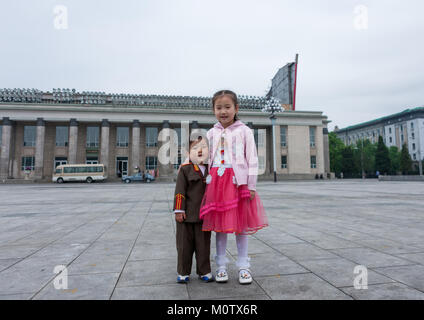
{"x":79,"y":172}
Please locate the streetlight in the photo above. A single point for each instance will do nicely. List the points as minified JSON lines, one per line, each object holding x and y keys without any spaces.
{"x":273,"y":105}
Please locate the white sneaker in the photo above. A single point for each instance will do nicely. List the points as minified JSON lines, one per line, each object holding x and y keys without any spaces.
{"x":183,"y":279}
{"x":245,"y":276}
{"x":221,"y":275}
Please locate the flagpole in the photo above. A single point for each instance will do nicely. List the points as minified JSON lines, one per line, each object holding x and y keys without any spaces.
{"x":295,"y":82}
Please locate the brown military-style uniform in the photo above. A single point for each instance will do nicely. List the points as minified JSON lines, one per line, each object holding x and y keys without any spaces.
{"x":190,"y":238}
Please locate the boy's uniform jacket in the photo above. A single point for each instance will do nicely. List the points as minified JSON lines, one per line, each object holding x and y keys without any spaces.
{"x":189,"y":190}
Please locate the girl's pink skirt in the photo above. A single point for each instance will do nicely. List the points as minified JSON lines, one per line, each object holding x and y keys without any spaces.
{"x":228,"y":208}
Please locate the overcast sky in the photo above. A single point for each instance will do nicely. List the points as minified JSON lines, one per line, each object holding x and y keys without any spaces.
{"x":352,"y":68}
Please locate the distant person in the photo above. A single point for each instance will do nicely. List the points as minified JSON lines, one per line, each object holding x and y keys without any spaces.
{"x":341,"y":175}
{"x":377,"y":173}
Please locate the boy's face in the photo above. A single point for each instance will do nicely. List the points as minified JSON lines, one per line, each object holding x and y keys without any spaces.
{"x":199,"y":152}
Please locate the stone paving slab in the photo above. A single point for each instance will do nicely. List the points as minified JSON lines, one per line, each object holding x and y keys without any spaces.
{"x":300,"y":287}
{"x":118,"y":242}
{"x":388,"y":291}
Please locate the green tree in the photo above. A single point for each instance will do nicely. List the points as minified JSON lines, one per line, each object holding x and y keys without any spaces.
{"x":364,"y":156}
{"x":382,"y":159}
{"x":405,"y":160}
{"x":336,"y":147}
{"x":394,"y":156}
{"x":348,"y":163}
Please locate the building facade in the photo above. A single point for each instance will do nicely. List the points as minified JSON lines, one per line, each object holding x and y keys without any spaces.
{"x":40,"y":130}
{"x":396,"y":129}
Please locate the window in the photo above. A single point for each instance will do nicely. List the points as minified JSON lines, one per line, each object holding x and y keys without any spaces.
{"x":28,"y":163}
{"x":151,"y":137}
{"x":412,"y":125}
{"x":283,"y":162}
{"x":283,"y":137}
{"x":122,"y":136}
{"x":313,"y":162}
{"x":390,"y":130}
{"x":69,"y":169}
{"x":29,"y":136}
{"x":59,"y":161}
{"x":312,"y":136}
{"x":414,"y":156}
{"x":413,"y":146}
{"x":92,"y":137}
{"x":178,"y":130}
{"x":260,"y":137}
{"x":92,"y":160}
{"x":177,"y":165}
{"x":413,"y":135}
{"x":151,"y":163}
{"x":61,"y":136}
{"x":390,"y":139}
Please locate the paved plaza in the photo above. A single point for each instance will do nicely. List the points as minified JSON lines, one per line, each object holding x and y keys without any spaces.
{"x":118,"y":242}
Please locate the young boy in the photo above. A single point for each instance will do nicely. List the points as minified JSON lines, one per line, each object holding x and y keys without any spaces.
{"x":189,"y":190}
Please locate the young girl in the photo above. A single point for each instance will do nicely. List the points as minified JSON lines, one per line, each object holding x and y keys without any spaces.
{"x":230,"y":203}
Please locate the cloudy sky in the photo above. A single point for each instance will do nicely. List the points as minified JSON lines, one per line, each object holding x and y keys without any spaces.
{"x":358,"y":60}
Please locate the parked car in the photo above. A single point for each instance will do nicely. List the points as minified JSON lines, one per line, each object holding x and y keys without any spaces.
{"x":146,"y":177}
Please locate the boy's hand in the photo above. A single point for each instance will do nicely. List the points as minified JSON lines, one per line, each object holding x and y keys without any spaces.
{"x":252,"y":194}
{"x":180,"y":216}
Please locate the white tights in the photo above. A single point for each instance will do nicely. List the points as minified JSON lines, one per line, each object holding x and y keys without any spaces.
{"x":221,"y":246}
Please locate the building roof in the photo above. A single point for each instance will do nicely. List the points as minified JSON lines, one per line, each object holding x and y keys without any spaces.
{"x":68,"y":96}
{"x":382,"y":119}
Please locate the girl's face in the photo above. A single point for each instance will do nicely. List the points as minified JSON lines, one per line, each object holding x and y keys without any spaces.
{"x":225,"y":110}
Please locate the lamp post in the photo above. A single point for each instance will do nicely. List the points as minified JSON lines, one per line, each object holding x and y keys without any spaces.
{"x":362,"y":158}
{"x":273,"y":105}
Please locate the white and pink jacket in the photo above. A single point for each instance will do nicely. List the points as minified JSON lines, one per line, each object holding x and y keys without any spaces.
{"x":241,"y":142}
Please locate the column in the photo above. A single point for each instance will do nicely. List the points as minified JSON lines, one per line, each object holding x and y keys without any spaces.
{"x":164,"y":167}
{"x":104,"y":144}
{"x":73,"y":141}
{"x":39,"y":149}
{"x":6,"y":138}
{"x":326,"y":152}
{"x":135,"y":155}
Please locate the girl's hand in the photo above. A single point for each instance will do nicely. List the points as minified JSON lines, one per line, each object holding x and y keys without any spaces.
{"x":180,"y":216}
{"x":252,"y":194}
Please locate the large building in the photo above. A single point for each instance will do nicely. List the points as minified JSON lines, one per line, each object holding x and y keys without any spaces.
{"x":396,"y":129}
{"x":40,"y":130}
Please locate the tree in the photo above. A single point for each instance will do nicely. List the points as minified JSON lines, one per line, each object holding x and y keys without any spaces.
{"x":394,"y":156}
{"x":336,"y":147}
{"x":348,"y":164}
{"x":405,"y":160}
{"x":382,"y":159}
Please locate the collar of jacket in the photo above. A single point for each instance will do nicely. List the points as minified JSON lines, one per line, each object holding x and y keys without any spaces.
{"x":231,"y":127}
